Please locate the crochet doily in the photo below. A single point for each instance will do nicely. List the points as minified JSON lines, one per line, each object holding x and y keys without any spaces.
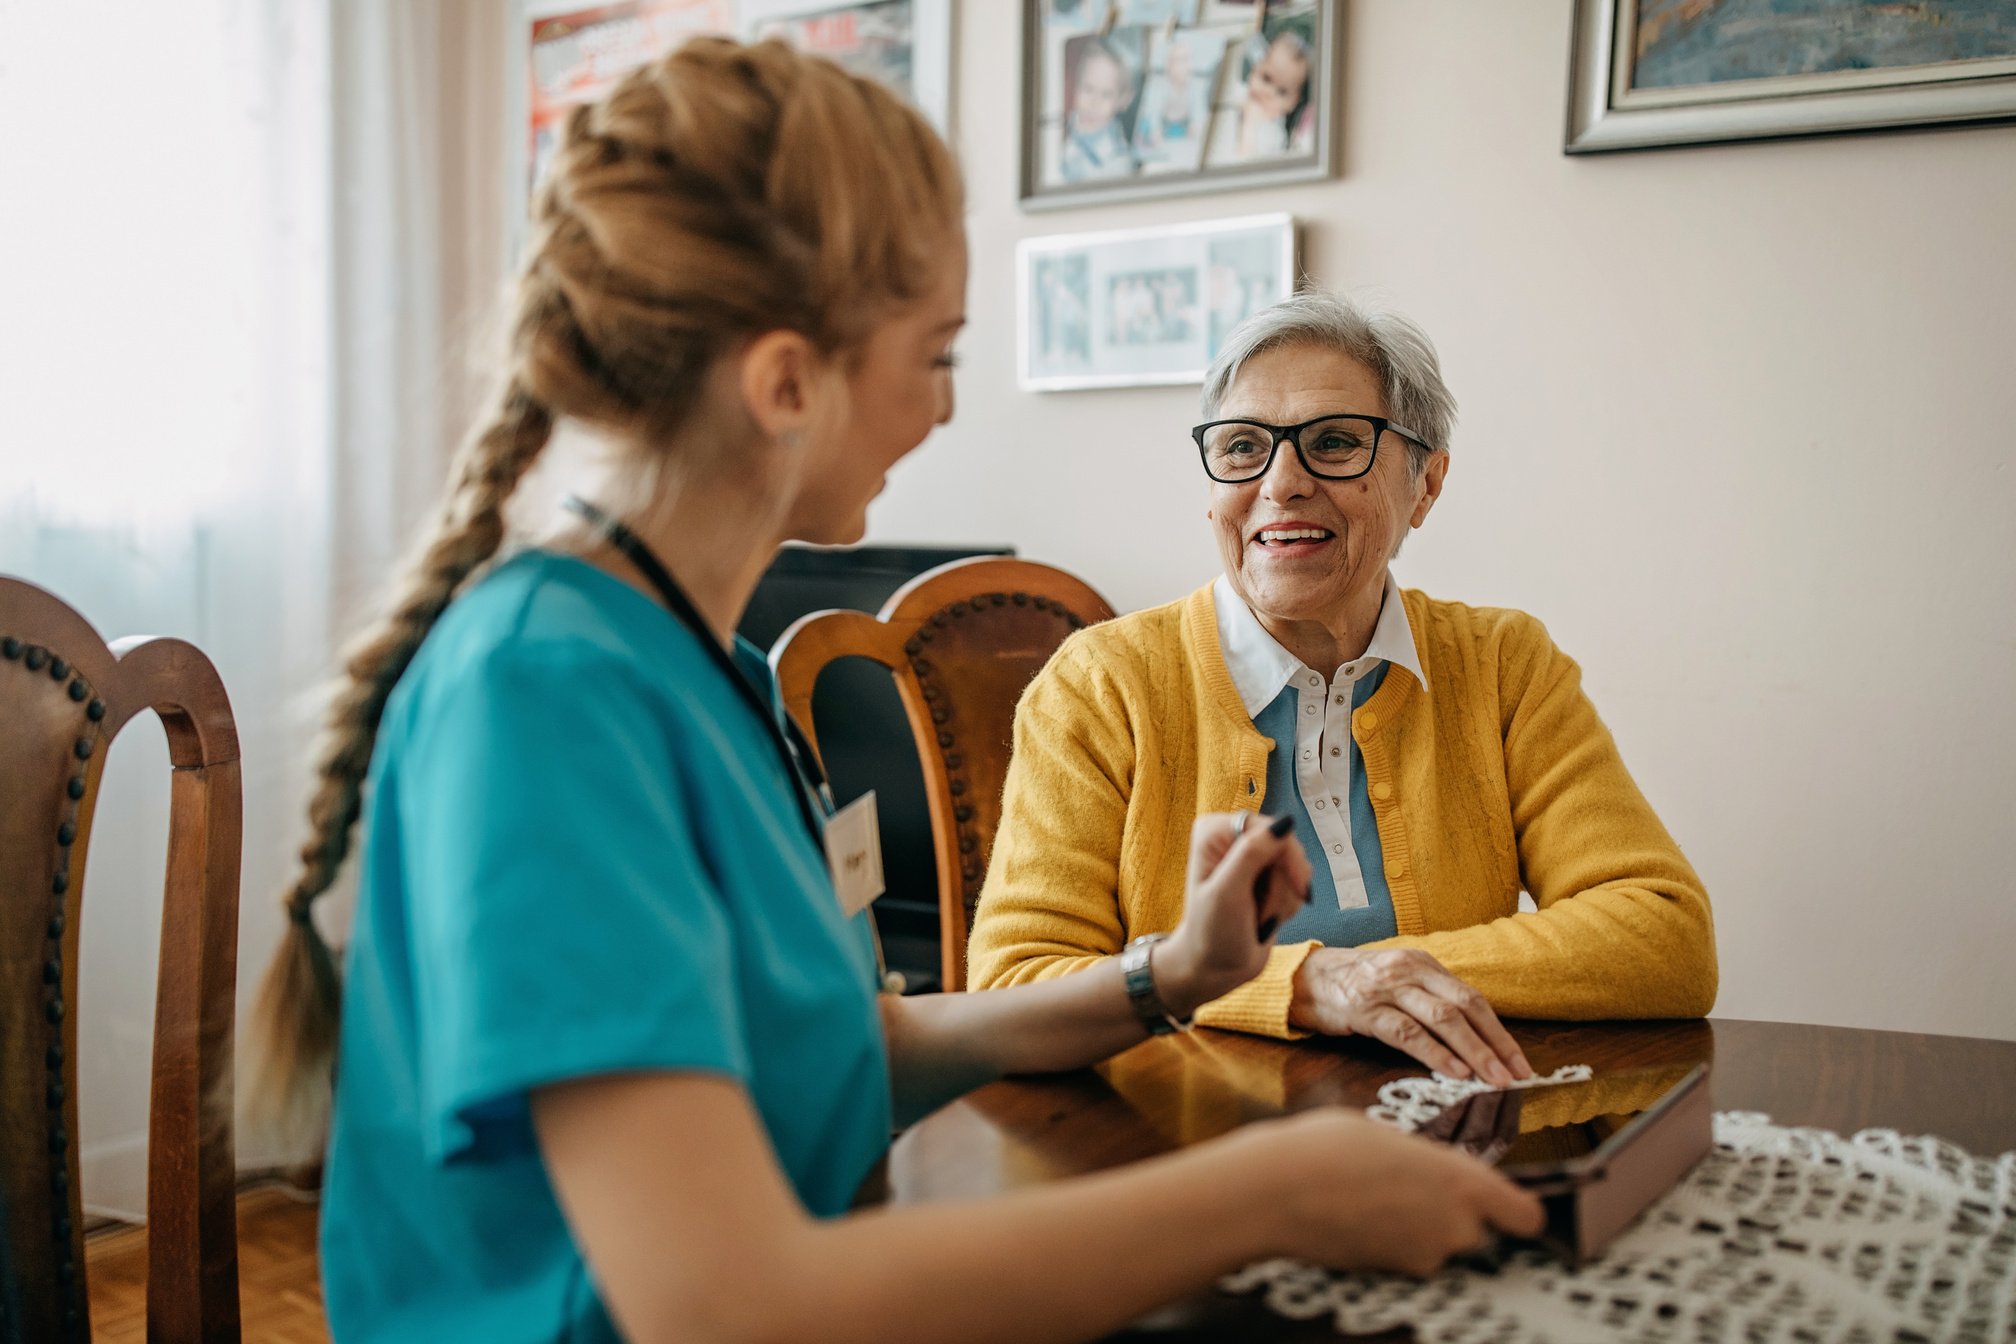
{"x":1778,"y":1235}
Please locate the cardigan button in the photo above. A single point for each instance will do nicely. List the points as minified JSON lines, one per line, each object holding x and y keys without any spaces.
{"x":1367,"y":720}
{"x":1382,"y":790}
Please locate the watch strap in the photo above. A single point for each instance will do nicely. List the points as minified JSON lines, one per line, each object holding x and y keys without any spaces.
{"x":1138,"y":971}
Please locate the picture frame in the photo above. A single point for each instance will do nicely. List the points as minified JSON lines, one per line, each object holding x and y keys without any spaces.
{"x":1139,"y":99}
{"x":1143,"y":307}
{"x":904,"y":44}
{"x":1657,"y":73}
{"x":577,"y":50}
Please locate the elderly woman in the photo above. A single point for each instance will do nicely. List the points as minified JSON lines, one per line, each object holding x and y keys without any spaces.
{"x":1438,"y":758}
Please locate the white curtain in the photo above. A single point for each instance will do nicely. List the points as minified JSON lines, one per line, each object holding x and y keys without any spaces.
{"x":243,"y":247}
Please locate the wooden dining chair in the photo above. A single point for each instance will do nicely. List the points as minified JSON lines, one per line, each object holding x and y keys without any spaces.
{"x":962,"y":641}
{"x":64,"y":695}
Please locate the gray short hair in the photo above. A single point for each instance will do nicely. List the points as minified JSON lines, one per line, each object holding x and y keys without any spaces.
{"x":1399,"y":354}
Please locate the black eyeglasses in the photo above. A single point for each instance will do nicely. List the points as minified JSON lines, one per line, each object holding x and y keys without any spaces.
{"x":1330,"y":447}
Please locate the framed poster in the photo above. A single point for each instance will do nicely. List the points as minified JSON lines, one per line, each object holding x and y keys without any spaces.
{"x":580,"y":51}
{"x":1137,"y":307}
{"x":904,"y":44}
{"x":1650,"y":73}
{"x":1124,"y":99}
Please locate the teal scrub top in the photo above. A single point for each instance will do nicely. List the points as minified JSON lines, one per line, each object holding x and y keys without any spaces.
{"x":581,"y":855}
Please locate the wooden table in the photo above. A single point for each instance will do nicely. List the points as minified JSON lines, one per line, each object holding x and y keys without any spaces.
{"x":1183,"y":1089}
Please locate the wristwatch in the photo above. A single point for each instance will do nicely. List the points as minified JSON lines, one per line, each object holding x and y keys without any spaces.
{"x":1140,"y":978}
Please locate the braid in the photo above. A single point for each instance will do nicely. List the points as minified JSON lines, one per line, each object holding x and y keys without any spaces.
{"x":298,"y":1008}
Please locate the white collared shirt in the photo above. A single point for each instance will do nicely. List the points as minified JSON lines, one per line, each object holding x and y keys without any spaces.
{"x":1261,"y":668}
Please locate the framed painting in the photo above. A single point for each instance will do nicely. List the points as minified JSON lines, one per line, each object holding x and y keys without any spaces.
{"x":904,"y":44}
{"x":1138,"y":307}
{"x":1650,"y":73}
{"x":580,"y":51}
{"x":1124,"y":99}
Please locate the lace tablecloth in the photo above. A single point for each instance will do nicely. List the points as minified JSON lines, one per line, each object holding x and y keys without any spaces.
{"x":1778,"y":1236}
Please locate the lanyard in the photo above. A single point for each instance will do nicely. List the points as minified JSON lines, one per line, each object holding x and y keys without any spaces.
{"x":800,"y":764}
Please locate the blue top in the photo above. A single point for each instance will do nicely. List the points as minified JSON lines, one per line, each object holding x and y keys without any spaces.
{"x":1321,"y":919}
{"x":581,"y":856}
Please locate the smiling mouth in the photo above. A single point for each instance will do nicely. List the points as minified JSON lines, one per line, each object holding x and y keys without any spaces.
{"x":1292,"y":538}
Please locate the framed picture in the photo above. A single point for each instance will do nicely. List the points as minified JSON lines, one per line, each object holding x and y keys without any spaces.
{"x":1123,"y":99}
{"x":580,"y":51}
{"x":1652,"y":73}
{"x":1133,"y":307}
{"x":905,"y":44}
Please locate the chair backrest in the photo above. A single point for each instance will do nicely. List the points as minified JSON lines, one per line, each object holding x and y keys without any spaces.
{"x":64,"y":695}
{"x":963,"y":641}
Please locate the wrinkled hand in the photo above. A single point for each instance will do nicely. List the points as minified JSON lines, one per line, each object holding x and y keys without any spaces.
{"x":1361,"y":1195}
{"x":1406,"y":998}
{"x":1245,"y":881}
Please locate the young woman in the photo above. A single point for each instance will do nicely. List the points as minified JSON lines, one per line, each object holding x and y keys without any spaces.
{"x":612,"y":1058}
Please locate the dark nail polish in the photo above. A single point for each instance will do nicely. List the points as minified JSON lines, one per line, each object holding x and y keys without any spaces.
{"x":1267,"y":927}
{"x":1282,"y":824}
{"x":1261,"y":885}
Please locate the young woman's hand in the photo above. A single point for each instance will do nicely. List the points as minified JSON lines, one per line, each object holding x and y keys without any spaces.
{"x":1355,"y":1194}
{"x":1248,"y":876}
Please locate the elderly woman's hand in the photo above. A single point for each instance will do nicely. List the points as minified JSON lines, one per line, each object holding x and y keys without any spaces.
{"x":1405,"y":997}
{"x":1248,"y":876}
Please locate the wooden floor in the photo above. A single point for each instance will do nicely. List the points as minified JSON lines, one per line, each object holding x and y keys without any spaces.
{"x":279,"y":1289}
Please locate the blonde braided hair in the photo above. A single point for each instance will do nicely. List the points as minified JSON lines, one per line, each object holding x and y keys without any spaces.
{"x":721,"y":192}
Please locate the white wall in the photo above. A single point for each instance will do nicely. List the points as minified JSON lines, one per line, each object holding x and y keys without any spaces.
{"x":1735,"y":421}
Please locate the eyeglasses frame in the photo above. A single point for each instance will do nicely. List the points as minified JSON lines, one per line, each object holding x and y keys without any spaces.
{"x":1292,"y":434}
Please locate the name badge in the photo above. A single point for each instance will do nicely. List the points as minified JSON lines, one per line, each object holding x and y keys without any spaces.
{"x":854,"y":854}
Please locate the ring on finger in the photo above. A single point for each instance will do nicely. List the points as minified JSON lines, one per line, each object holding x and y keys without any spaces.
{"x":1238,"y":824}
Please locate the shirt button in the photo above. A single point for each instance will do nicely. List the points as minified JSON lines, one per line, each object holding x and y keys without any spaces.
{"x":1382,"y":790}
{"x":1340,"y":700}
{"x":1336,"y":849}
{"x":1336,"y":751}
{"x":1307,"y":752}
{"x":1319,"y":804}
{"x":1308,"y":709}
{"x":1315,"y":680}
{"x":1367,"y":720}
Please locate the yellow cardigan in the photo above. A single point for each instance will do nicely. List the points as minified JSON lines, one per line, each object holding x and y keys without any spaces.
{"x":1500,"y":777}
